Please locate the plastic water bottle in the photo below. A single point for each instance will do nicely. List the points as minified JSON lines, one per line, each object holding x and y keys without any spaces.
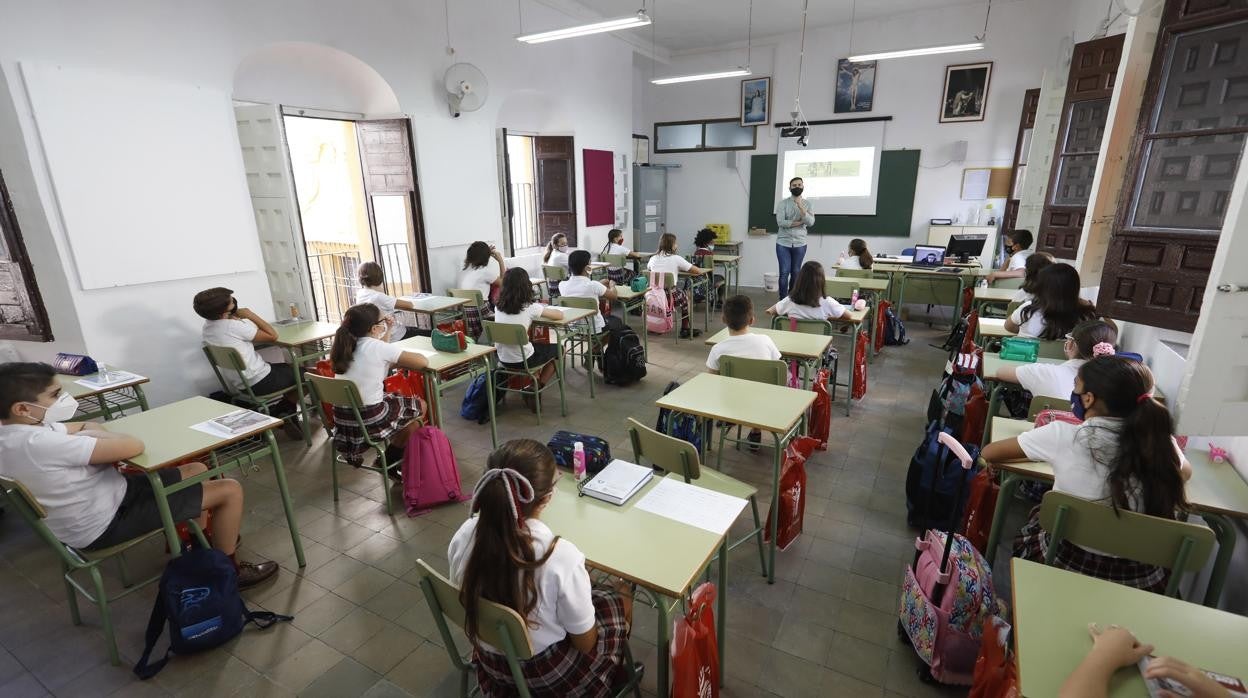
{"x":294,"y":312}
{"x":853,"y":299}
{"x":840,"y":261}
{"x":578,"y":461}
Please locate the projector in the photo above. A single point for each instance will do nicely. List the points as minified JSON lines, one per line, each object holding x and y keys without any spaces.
{"x":801,"y":133}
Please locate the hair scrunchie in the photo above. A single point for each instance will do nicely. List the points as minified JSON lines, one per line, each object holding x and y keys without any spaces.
{"x":1103,"y":349}
{"x":519,"y":489}
{"x":1143,"y":397}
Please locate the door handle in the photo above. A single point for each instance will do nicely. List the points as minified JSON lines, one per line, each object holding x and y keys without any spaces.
{"x":1233,"y":288}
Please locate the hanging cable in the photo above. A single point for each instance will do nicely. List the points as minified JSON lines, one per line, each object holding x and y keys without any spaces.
{"x":987,"y":14}
{"x":798,"y":117}
{"x":749,"y":35}
{"x":853,"y":14}
{"x":446,"y":6}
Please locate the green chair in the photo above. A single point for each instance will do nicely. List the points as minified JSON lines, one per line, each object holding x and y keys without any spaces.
{"x":1015,"y":282}
{"x":515,"y":335}
{"x":616,"y":260}
{"x":582,"y":341}
{"x":853,"y":273}
{"x":553,"y":274}
{"x":679,"y":456}
{"x":1011,"y":307}
{"x":1040,"y":403}
{"x":74,"y":560}
{"x":823,"y":327}
{"x":228,"y":359}
{"x":757,"y":370}
{"x":678,"y":318}
{"x":341,"y":392}
{"x":476,"y":303}
{"x":841,"y":289}
{"x":1175,"y":545}
{"x":497,"y":626}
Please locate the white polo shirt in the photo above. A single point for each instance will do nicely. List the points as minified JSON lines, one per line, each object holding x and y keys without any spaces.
{"x":746,"y":346}
{"x":512,"y":353}
{"x":238,"y":334}
{"x":1052,"y":380}
{"x":585,"y":287}
{"x":828,"y":309}
{"x":370,"y":364}
{"x":480,"y":278}
{"x":1018,"y":260}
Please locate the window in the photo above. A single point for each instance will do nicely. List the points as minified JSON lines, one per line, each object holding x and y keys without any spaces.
{"x":703,"y":135}
{"x":22,"y":315}
{"x":1191,"y":134}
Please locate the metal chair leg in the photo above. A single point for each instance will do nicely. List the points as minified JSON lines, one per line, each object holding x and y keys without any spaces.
{"x":71,"y":595}
{"x":106,"y":618}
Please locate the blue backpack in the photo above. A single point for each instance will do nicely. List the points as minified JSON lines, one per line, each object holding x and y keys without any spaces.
{"x":680,"y":425}
{"x":476,"y":406}
{"x":198,"y":599}
{"x":932,"y":489}
{"x":894,"y":330}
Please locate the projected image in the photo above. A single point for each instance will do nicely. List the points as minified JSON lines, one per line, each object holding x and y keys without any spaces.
{"x":833,"y":172}
{"x":832,"y":168}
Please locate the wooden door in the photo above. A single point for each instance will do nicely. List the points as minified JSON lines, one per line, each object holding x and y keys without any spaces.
{"x":1093,"y":68}
{"x":22,"y":313}
{"x":394,"y":204}
{"x":1177,"y":189}
{"x":556,"y":187}
{"x":1022,"y":144}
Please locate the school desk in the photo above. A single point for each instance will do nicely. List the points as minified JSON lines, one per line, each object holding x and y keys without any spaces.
{"x":111,"y":399}
{"x":1215,"y":491}
{"x":598,"y":270}
{"x":876,"y":290}
{"x":659,"y":554}
{"x":853,"y":319}
{"x":991,"y":328}
{"x":985,"y":296}
{"x":992,"y":364}
{"x":702,"y":281}
{"x":806,"y":349}
{"x":304,"y":342}
{"x":641,"y":258}
{"x":634,"y":300}
{"x":930,"y":286}
{"x":1052,"y":610}
{"x":449,"y":308}
{"x":731,"y":264}
{"x":169,"y":440}
{"x":732,"y":247}
{"x":776,"y":410}
{"x":476,"y":357}
{"x":576,"y":326}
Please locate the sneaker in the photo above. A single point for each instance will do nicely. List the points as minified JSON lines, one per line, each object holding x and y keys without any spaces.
{"x":755,"y":439}
{"x":252,"y":573}
{"x":690,"y":333}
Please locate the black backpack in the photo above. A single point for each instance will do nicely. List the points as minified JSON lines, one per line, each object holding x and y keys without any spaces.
{"x":624,"y":360}
{"x":894,"y":330}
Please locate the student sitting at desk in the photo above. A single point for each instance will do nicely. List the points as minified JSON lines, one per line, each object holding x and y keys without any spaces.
{"x":1124,"y":455}
{"x":69,"y":469}
{"x":859,"y":256}
{"x":806,"y":300}
{"x":373,"y":290}
{"x":579,"y":285}
{"x":480,"y":274}
{"x":615,"y":245}
{"x":1057,"y":308}
{"x":361,"y":354}
{"x":556,"y":256}
{"x":516,"y":307}
{"x":1087,"y":341}
{"x":228,"y":325}
{"x":1017,"y":243}
{"x":704,"y":253}
{"x":739,"y":316}
{"x":667,"y":261}
{"x":1031,"y":277}
{"x":505,"y":554}
{"x":1115,"y":648}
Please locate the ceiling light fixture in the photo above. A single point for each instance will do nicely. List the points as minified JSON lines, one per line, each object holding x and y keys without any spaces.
{"x":640,"y":19}
{"x":701,"y":76}
{"x":976,"y":45}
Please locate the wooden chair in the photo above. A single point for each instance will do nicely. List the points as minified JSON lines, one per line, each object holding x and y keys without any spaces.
{"x":341,"y":392}
{"x":553,"y":274}
{"x":678,"y":456}
{"x":74,"y":560}
{"x":757,"y":370}
{"x":497,"y":626}
{"x":228,"y":359}
{"x":1040,"y":403}
{"x":583,"y":342}
{"x":1175,"y":545}
{"x":509,"y":333}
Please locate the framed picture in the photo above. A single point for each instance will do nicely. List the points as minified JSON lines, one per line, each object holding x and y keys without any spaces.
{"x":965,"y":97}
{"x":756,"y":101}
{"x":855,"y":86}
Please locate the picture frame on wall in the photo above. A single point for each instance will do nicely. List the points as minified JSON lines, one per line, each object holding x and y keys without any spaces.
{"x":855,"y":86}
{"x":965,"y":97}
{"x":756,"y":101}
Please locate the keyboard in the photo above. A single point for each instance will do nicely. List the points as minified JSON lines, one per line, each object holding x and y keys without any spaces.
{"x":942,"y":270}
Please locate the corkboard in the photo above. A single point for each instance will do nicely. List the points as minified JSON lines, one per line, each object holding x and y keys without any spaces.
{"x":999,"y":183}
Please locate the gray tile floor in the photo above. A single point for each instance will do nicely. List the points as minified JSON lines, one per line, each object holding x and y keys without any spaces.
{"x":362,"y":628}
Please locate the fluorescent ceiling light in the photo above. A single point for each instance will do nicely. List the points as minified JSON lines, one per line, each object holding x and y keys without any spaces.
{"x":950,"y":48}
{"x":640,"y":19}
{"x":701,"y":76}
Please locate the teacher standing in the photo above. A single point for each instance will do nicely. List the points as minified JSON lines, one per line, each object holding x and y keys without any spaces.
{"x":793,"y":216}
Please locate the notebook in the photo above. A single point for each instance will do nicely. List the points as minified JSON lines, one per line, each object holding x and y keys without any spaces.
{"x":618,"y":482}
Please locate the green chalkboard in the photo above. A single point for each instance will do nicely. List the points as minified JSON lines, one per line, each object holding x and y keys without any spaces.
{"x":899,"y":170}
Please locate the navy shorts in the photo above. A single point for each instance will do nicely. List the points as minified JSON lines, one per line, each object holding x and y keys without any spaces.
{"x":138,"y":513}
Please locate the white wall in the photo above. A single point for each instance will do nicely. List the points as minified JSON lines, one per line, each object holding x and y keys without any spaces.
{"x":151,"y":328}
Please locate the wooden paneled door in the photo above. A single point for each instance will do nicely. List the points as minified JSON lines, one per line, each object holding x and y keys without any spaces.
{"x":1022,"y":144}
{"x":22,"y":313}
{"x":1177,"y":187}
{"x":1093,"y":69}
{"x":556,"y":187}
{"x":394,"y":204}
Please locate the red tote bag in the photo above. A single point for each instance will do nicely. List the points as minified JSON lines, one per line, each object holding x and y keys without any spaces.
{"x":792,"y":492}
{"x":860,"y":365}
{"x":881,"y":324}
{"x":821,"y":410}
{"x":980,"y":505}
{"x":695,"y":649}
{"x":996,"y":675}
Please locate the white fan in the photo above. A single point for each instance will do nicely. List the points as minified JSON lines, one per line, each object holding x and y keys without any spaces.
{"x":466,"y":88}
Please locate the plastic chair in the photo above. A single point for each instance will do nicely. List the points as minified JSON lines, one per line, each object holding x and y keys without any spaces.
{"x":553,"y":274}
{"x":228,"y":359}
{"x":590,"y":346}
{"x":1052,"y":349}
{"x":823,"y":327}
{"x":615,"y":260}
{"x":757,"y":370}
{"x":1040,"y":403}
{"x":515,"y":335}
{"x":341,"y":392}
{"x":498,"y":626}
{"x":74,"y":560}
{"x":674,"y":455}
{"x":839,"y":288}
{"x":1175,"y":545}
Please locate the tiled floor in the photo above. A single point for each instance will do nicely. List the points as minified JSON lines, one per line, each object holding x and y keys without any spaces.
{"x":825,"y":628}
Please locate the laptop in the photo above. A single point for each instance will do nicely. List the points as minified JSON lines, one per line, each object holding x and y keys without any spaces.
{"x":928,"y":257}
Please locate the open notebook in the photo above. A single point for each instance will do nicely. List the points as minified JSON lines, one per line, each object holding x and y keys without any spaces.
{"x":618,"y":482}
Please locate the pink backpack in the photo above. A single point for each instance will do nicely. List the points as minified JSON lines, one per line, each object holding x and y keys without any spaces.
{"x":658,"y":310}
{"x":430,"y":474}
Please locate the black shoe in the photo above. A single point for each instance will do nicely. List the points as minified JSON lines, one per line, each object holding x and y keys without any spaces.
{"x":755,"y":439}
{"x":252,"y":573}
{"x":690,"y":333}
{"x":293,"y":429}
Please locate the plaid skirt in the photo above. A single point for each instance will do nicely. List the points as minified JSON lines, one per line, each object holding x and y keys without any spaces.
{"x":381,"y":421}
{"x":1033,"y":541}
{"x":473,"y":318}
{"x":560,"y":670}
{"x":621,"y":275}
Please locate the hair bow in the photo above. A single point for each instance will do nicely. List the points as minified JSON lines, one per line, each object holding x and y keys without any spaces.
{"x":519,"y":489}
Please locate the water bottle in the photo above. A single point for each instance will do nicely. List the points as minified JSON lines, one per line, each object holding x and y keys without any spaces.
{"x":840,"y":261}
{"x":853,"y":299}
{"x":578,"y":461}
{"x":294,"y":312}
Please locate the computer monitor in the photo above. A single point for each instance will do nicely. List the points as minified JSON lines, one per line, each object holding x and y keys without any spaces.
{"x":928,"y":255}
{"x":963,"y":247}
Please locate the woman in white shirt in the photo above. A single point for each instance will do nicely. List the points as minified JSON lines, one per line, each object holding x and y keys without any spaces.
{"x":516,"y":307}
{"x":806,"y":300}
{"x":1087,"y":341}
{"x":372,"y":290}
{"x":615,"y":245}
{"x":1123,"y":455}
{"x":480,"y":275}
{"x":361,"y":355}
{"x":505,"y":554}
{"x":1057,"y":307}
{"x":667,"y":261}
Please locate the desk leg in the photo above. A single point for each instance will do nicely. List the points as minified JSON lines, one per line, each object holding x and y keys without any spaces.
{"x":166,"y":516}
{"x":142,"y":398}
{"x":1225,"y":533}
{"x":664,"y":649}
{"x":994,"y":404}
{"x":774,"y":516}
{"x":304,"y":415}
{"x":874,"y":323}
{"x":279,"y":471}
{"x":721,"y":613}
{"x":1009,"y":484}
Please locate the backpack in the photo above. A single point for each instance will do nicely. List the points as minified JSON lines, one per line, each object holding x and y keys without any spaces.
{"x":430,"y":474}
{"x":934,"y":467}
{"x":624,"y":360}
{"x":597,"y":450}
{"x":947,"y":404}
{"x":894,"y":330}
{"x":476,"y":405}
{"x":961,"y":333}
{"x":658,"y":310}
{"x":198,"y":599}
{"x":681,"y":425}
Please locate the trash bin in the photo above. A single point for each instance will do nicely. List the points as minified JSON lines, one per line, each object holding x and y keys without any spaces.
{"x":771,"y":281}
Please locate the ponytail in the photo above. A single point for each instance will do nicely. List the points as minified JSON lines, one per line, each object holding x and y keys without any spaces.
{"x":1094,"y":338}
{"x":550,"y":245}
{"x":357,"y":322}
{"x":859,"y":247}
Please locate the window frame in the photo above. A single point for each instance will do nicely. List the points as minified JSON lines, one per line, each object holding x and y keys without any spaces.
{"x":703,"y":148}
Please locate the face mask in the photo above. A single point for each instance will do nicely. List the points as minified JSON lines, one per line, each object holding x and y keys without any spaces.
{"x":795,"y":191}
{"x":563,"y":248}
{"x":1076,"y":405}
{"x":59,"y":411}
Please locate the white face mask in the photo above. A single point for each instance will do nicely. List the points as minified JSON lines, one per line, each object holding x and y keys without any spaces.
{"x":59,"y":411}
{"x":562,"y":248}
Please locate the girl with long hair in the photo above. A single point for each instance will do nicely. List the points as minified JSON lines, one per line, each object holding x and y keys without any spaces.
{"x":704,"y":254}
{"x":360,"y":355}
{"x":1057,"y":307}
{"x":806,"y":300}
{"x":517,"y":306}
{"x":481,"y":275}
{"x":373,"y":290}
{"x":1123,"y":455}
{"x":615,"y":245}
{"x":556,"y":256}
{"x":668,"y":261}
{"x":505,"y":554}
{"x":859,"y":256}
{"x":1087,"y":341}
{"x":1036,"y":263}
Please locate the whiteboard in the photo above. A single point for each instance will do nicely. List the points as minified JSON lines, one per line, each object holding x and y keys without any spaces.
{"x":147,"y":175}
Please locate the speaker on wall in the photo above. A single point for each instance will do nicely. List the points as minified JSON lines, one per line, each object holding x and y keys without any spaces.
{"x":732,"y":159}
{"x":959,"y":151}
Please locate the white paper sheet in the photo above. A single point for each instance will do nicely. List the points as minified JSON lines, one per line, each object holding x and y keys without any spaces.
{"x":692,"y":505}
{"x":423,"y":352}
{"x":652,"y":227}
{"x":652,"y":209}
{"x":114,"y":377}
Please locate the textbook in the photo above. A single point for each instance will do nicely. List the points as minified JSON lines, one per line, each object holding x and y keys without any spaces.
{"x":618,"y":482}
{"x":235,"y":423}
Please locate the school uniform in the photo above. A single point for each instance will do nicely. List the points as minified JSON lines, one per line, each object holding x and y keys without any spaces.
{"x":1033,"y":326}
{"x":828,"y":309}
{"x":673,"y":264}
{"x":1081,"y":456}
{"x":746,"y":346}
{"x":480,"y":279}
{"x":516,"y":356}
{"x":239,"y":334}
{"x":850,"y":262}
{"x":557,"y":259}
{"x":386,"y":303}
{"x":1018,"y":260}
{"x":620,"y":275}
{"x":1051,"y":380}
{"x":1021,"y":296}
{"x":381,"y":414}
{"x":567,"y":605}
{"x":585,"y":287}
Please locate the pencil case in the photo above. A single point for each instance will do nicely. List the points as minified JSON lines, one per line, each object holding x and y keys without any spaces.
{"x":74,"y":364}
